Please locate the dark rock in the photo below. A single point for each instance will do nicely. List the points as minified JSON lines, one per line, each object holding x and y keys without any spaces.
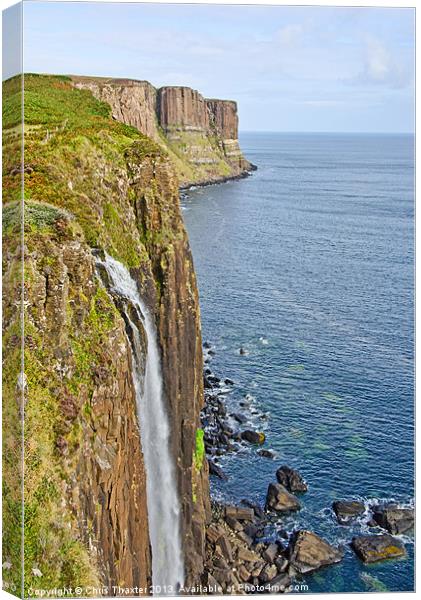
{"x":266,"y":453}
{"x":271,"y":553}
{"x":281,"y":564}
{"x":214,"y":469}
{"x":228,"y":381}
{"x":395,"y":520}
{"x":291,"y":479}
{"x":254,"y":437}
{"x":251,"y":530}
{"x":278,"y":498}
{"x":308,"y":552}
{"x":283,"y":533}
{"x":207,"y":345}
{"x":372,"y":548}
{"x":240,"y":418}
{"x":347,"y":510}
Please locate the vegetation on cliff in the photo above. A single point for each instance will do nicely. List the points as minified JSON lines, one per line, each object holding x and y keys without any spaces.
{"x":89,"y":182}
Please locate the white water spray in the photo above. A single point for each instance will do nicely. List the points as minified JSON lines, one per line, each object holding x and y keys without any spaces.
{"x":161,"y":489}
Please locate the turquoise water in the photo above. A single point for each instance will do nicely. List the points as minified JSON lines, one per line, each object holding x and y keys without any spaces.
{"x":308,"y":265}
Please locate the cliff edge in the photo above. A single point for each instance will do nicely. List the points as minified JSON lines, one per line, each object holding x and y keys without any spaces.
{"x":199,"y":134}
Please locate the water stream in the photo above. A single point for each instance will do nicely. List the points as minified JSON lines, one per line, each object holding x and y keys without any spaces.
{"x":161,"y":488}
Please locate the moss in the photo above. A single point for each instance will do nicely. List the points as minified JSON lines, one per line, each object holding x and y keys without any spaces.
{"x":199,"y":452}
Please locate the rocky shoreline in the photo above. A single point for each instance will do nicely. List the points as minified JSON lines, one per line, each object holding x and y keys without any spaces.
{"x":219,"y":180}
{"x":242,"y":555}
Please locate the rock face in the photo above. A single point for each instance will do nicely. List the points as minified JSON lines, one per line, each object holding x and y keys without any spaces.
{"x":347,"y":510}
{"x":86,"y":497}
{"x":200,"y":135}
{"x":279,"y":499}
{"x":291,"y":479}
{"x":395,"y":520}
{"x":308,"y":552}
{"x":373,"y":548}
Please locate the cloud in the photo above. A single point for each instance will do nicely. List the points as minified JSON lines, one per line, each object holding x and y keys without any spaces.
{"x":382,"y":67}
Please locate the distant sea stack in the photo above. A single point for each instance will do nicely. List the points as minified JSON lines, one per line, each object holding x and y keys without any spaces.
{"x":199,"y":134}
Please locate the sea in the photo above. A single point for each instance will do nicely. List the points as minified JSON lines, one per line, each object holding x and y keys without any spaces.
{"x":308,"y":267}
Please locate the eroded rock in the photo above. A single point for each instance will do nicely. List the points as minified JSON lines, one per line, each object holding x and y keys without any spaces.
{"x":278,"y":498}
{"x":308,"y":552}
{"x":291,"y":479}
{"x":373,"y":548}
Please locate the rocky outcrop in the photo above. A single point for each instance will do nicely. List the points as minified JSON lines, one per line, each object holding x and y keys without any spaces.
{"x":199,"y":134}
{"x":279,"y":499}
{"x":347,"y":511}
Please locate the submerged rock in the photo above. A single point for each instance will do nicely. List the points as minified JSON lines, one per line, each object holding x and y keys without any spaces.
{"x":291,"y":479}
{"x":216,"y":470}
{"x":266,"y":453}
{"x":253,"y":437}
{"x":308,"y":552}
{"x":278,"y":498}
{"x":347,"y":510}
{"x":372,"y":548}
{"x":395,"y":520}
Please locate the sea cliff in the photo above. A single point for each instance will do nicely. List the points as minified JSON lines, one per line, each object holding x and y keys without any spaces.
{"x":94,"y":184}
{"x":200,"y":135}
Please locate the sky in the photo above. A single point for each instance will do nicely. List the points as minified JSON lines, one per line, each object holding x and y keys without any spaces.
{"x":289,"y":68}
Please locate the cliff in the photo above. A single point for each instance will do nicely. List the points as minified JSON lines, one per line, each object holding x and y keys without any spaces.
{"x":91,"y":184}
{"x":199,"y":135}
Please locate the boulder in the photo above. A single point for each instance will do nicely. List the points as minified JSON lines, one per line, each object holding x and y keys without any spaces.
{"x":240,"y":513}
{"x":308,"y":552}
{"x":216,"y":470}
{"x":395,"y":520}
{"x":347,"y":510}
{"x":291,"y":479}
{"x":372,"y":548}
{"x":233,"y":523}
{"x":214,"y":532}
{"x":278,"y":498}
{"x":270,"y":553}
{"x":225,"y":547}
{"x":253,"y":437}
{"x":228,"y":381}
{"x":245,"y":555}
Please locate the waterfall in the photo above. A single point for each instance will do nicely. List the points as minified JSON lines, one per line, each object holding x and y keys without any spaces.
{"x":161,"y":489}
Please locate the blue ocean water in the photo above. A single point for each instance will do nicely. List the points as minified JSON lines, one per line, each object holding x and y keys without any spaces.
{"x":308,"y":266}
